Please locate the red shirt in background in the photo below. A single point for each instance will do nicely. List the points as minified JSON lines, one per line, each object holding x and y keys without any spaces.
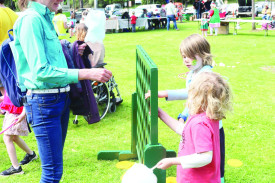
{"x":133,"y":19}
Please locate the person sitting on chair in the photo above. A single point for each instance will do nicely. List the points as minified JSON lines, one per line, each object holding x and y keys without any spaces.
{"x":266,"y":12}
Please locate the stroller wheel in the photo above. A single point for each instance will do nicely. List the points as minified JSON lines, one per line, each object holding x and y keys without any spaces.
{"x":112,"y":107}
{"x":75,"y":122}
{"x":102,"y":96}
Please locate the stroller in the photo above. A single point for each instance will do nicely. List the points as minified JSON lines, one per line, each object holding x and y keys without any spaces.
{"x":106,"y":94}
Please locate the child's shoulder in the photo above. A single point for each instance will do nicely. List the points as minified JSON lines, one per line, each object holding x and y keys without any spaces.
{"x":201,"y":119}
{"x":198,"y":117}
{"x":206,"y":68}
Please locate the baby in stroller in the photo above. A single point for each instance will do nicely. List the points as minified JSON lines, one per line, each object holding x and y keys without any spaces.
{"x":107,"y":98}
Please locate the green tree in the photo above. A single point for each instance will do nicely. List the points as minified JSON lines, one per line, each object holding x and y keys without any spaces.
{"x":11,"y":4}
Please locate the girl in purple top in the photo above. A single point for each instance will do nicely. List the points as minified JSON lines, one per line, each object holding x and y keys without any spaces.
{"x":209,"y":98}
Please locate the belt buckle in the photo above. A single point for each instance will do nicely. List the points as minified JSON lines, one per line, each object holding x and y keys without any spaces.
{"x":67,"y":88}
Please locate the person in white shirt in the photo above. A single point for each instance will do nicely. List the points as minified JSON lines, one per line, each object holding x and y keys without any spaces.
{"x":170,"y":12}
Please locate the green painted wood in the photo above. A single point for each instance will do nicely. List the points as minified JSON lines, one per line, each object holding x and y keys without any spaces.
{"x":134,"y":124}
{"x":146,"y":79}
{"x":144,"y":125}
{"x":112,"y":155}
{"x":108,"y":155}
{"x":170,"y":154}
{"x":154,"y":153}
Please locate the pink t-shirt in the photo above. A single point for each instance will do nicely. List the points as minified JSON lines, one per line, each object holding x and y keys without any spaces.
{"x":7,"y":105}
{"x":199,"y":135}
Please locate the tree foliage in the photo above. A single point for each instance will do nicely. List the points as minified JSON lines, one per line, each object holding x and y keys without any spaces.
{"x":90,"y":3}
{"x":11,"y":4}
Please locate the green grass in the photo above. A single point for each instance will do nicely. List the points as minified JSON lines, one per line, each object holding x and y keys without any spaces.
{"x":249,"y":130}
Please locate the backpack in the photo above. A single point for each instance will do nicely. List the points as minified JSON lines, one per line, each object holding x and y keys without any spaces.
{"x":8,"y":74}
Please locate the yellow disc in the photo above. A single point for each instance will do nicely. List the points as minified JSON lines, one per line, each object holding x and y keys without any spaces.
{"x":171,"y":180}
{"x":234,"y":163}
{"x":124,"y":164}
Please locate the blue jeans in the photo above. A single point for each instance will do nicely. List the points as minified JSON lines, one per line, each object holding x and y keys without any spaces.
{"x":171,"y":18}
{"x":48,"y":115}
{"x":198,"y":13}
{"x":133,"y":27}
{"x":265,"y":17}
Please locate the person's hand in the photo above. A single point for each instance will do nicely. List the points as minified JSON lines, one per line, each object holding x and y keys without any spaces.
{"x":100,"y":74}
{"x":161,"y":94}
{"x":81,"y":48}
{"x":148,"y":94}
{"x":20,"y":117}
{"x":165,"y":163}
{"x":181,"y":120}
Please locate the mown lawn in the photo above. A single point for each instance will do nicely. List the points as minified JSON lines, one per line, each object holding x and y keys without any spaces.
{"x":249,"y":63}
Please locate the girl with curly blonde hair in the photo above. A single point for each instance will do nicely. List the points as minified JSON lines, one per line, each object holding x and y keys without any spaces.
{"x":209,"y":98}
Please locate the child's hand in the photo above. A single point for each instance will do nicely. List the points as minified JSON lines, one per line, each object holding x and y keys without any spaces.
{"x":148,"y":94}
{"x":165,"y":163}
{"x":181,"y":120}
{"x":21,"y":116}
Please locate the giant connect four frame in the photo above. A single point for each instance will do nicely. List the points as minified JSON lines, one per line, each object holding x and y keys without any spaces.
{"x":144,"y":129}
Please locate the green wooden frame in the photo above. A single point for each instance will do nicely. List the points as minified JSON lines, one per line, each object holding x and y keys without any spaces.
{"x":144,"y":129}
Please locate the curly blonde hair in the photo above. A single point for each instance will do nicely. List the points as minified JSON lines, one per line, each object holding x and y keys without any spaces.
{"x":81,"y":31}
{"x":209,"y":93}
{"x":196,"y":44}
